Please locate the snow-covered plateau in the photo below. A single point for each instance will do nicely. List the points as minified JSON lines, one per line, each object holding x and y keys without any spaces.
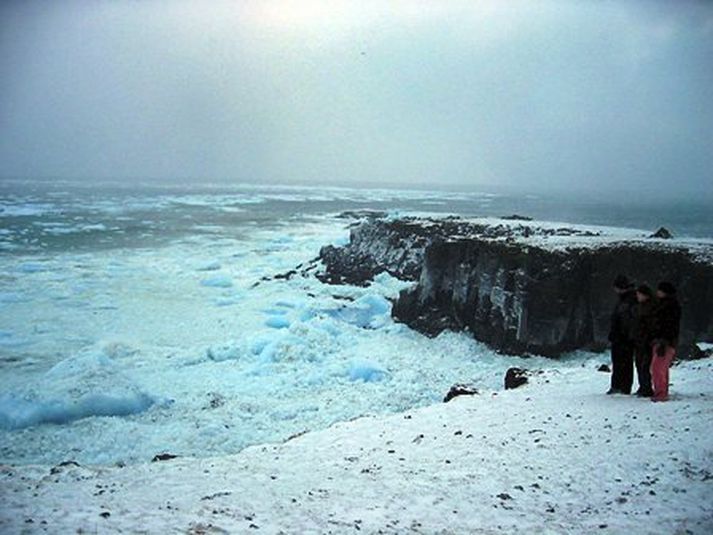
{"x":554,"y":456}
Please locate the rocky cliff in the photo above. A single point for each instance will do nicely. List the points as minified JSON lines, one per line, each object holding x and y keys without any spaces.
{"x":522,"y":286}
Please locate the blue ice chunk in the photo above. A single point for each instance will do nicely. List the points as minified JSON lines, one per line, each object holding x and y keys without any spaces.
{"x":219,"y":281}
{"x":85,"y":385}
{"x":277,"y":322}
{"x":370,"y":311}
{"x":8,"y":339}
{"x":227,"y":301}
{"x":31,"y":267}
{"x":18,"y":413}
{"x":259,"y":343}
{"x":308,"y":313}
{"x":269,"y":353}
{"x":365,"y":371}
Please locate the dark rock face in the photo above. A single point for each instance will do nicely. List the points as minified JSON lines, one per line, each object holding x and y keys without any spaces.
{"x":506,"y":285}
{"x":377,"y":246}
{"x":515,"y":377}
{"x":459,"y":390}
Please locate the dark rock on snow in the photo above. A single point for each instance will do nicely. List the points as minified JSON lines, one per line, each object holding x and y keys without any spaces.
{"x":163,"y":457}
{"x":64,"y":464}
{"x":662,"y":233}
{"x":459,"y":390}
{"x":604,"y":368}
{"x":519,"y":287}
{"x":698,"y":353}
{"x":515,"y":377}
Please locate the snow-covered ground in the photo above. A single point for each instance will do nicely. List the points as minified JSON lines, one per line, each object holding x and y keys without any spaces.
{"x":561,"y":236}
{"x":555,"y":456}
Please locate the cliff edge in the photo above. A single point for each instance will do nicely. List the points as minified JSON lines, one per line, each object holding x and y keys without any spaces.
{"x":522,"y":286}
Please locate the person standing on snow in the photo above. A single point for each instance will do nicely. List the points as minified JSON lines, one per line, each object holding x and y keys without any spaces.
{"x":620,"y":336}
{"x":643,"y":328}
{"x":666,"y":324}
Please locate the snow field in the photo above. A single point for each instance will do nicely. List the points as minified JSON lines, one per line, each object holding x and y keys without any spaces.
{"x":555,"y":456}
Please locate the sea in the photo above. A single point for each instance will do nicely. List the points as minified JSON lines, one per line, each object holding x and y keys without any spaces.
{"x":140,"y":319}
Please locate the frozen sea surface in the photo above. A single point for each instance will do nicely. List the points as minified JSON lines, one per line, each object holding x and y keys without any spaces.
{"x":132,"y":323}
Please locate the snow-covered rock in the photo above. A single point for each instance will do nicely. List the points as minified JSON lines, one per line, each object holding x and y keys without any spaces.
{"x":522,"y":286}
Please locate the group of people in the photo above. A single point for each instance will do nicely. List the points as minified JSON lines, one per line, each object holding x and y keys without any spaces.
{"x":644,"y":332}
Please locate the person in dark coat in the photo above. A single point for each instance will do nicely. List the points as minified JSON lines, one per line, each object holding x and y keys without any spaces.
{"x":621,"y":337}
{"x":643,"y":329}
{"x":666,"y":325}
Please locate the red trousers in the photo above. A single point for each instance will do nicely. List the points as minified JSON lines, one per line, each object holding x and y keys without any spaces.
{"x":659,"y":373}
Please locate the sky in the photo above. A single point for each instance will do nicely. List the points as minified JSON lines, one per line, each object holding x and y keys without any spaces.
{"x":562,"y":95}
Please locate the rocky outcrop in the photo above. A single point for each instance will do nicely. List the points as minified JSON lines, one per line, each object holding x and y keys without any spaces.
{"x":662,"y":233}
{"x":521,"y":287}
{"x":460,"y":390}
{"x":515,"y":378}
{"x":380,"y":245}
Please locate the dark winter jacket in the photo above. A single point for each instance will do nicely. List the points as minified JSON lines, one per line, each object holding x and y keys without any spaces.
{"x":622,"y":319}
{"x":666,"y":320}
{"x":644,"y":326}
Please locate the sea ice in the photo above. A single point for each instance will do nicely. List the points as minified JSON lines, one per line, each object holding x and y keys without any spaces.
{"x":31,"y":267}
{"x":227,"y":301}
{"x":10,"y":340}
{"x":210,"y":266}
{"x":218,"y":281}
{"x":370,"y":311}
{"x":88,"y":384}
{"x":277,"y":322}
{"x":224,"y":352}
{"x":365,"y":371}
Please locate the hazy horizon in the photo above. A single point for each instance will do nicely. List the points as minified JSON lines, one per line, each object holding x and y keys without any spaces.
{"x":606,"y":98}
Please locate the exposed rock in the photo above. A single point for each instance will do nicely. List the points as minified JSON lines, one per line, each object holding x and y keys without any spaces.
{"x":362,"y":214}
{"x":515,"y":377}
{"x":374,"y":247}
{"x":662,"y":233}
{"x":604,"y":368}
{"x":459,"y":390}
{"x":163,"y":457}
{"x":64,"y":464}
{"x":696,"y":353}
{"x":301,"y":269}
{"x":523,"y":288}
{"x":516,"y":217}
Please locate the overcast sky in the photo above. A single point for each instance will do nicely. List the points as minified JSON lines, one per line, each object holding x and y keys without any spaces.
{"x":561,"y":94}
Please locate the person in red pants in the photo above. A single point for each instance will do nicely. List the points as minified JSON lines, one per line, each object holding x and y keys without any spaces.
{"x":666,"y":322}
